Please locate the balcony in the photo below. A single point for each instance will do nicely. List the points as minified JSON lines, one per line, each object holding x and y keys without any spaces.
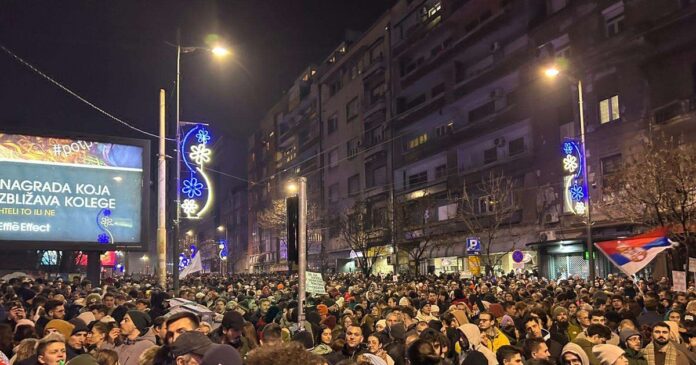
{"x":377,"y":67}
{"x":674,"y":110}
{"x":375,"y":104}
{"x":419,"y":112}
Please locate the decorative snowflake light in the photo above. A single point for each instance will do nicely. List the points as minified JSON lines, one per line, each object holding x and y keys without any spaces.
{"x":103,"y":238}
{"x":192,"y":187}
{"x":200,"y":154}
{"x":580,"y":208}
{"x":106,"y":221}
{"x":203,"y":136}
{"x":568,"y":148}
{"x":189,"y":206}
{"x":570,"y":163}
{"x":577,"y":193}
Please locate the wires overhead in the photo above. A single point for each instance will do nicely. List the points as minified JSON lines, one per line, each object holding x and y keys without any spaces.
{"x":77,"y":96}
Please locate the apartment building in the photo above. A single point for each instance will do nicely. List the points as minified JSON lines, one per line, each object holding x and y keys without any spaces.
{"x":439,"y":95}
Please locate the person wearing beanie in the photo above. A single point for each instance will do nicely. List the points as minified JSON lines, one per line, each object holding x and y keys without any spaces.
{"x":632,"y":342}
{"x":562,"y":331}
{"x":135,"y":338}
{"x":77,"y":340}
{"x":323,"y":311}
{"x":609,"y":354}
{"x":65,"y":328}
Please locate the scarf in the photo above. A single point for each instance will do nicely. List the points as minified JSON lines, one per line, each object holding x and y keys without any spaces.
{"x":670,"y":357}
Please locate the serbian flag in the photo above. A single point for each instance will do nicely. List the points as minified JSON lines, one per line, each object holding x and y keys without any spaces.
{"x":631,"y":254}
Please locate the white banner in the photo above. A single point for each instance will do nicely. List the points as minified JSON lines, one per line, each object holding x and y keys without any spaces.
{"x":194,"y":266}
{"x":679,"y":281}
{"x":692,"y":264}
{"x":314,"y":283}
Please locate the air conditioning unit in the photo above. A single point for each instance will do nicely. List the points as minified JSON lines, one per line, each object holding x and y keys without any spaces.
{"x":495,"y":46}
{"x":499,"y":142}
{"x":547,"y":236}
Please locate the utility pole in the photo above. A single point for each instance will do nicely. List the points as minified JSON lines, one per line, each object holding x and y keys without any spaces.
{"x":302,"y":248}
{"x":162,"y":199}
{"x":177,"y":218}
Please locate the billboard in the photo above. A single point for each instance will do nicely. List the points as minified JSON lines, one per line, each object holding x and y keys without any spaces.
{"x":73,"y":193}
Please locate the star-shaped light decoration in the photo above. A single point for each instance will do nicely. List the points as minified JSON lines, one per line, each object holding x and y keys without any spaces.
{"x":200,"y":154}
{"x":568,"y":148}
{"x":189,"y":206}
{"x":103,"y":238}
{"x":106,"y":221}
{"x":192,"y":187}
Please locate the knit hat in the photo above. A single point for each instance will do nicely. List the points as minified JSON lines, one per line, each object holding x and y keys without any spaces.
{"x":192,"y":342}
{"x":141,"y":320}
{"x":233,"y":320}
{"x":93,"y":298}
{"x":221,"y":355}
{"x":63,"y":327}
{"x":507,"y":321}
{"x":559,"y":310}
{"x":626,"y":333}
{"x":607,"y":354}
{"x":323,"y":309}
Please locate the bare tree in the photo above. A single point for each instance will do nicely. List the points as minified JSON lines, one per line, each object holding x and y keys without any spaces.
{"x":357,"y":232}
{"x":655,"y":186}
{"x":274,"y":218}
{"x":487,"y":209}
{"x":422,"y":225}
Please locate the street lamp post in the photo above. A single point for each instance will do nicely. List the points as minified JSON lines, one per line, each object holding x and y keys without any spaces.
{"x":219,"y":52}
{"x":552,"y":72}
{"x":223,"y":259}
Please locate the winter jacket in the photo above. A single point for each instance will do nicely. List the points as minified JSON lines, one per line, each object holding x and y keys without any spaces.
{"x":473,"y":336}
{"x":345,"y":353}
{"x":130,"y":350}
{"x":586,"y":346}
{"x":635,"y":357}
{"x":498,"y":341}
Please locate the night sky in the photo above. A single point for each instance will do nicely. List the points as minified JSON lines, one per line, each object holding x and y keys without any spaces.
{"x":115,"y":54}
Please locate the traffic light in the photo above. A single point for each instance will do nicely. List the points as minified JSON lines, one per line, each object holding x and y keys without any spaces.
{"x":292,"y":207}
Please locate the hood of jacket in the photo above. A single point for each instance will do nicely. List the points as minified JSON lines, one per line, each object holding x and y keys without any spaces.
{"x":472,"y":333}
{"x":576,"y":350}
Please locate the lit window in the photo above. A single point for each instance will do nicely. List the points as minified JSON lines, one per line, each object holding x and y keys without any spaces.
{"x":609,"y":109}
{"x":415,"y":142}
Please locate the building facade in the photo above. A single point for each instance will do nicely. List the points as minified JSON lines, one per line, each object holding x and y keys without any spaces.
{"x":440,"y":119}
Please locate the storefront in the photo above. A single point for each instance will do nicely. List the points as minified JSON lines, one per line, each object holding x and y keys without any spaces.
{"x":566,"y":258}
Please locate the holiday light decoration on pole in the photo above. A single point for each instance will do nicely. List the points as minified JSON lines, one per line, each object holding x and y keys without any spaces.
{"x":196,"y":188}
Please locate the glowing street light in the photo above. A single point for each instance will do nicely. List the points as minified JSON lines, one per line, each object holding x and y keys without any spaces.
{"x":221,"y":228}
{"x":551,"y":72}
{"x":292,"y":188}
{"x":145,"y":258}
{"x":220,"y":51}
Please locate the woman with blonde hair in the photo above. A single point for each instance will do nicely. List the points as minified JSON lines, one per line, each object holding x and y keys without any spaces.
{"x":24,"y":350}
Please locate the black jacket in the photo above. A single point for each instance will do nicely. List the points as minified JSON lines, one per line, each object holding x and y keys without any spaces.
{"x":345,"y":353}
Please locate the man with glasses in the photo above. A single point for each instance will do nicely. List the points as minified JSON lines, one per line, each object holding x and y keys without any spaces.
{"x":491,"y":336}
{"x":632,"y":341}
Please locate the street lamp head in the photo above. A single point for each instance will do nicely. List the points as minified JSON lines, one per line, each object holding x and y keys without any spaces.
{"x":220,"y":51}
{"x":221,"y":246}
{"x":145,"y":258}
{"x":551,"y":71}
{"x":221,"y":228}
{"x":292,"y":187}
{"x":189,"y":232}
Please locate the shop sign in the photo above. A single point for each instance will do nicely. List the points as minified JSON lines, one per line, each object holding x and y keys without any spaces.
{"x":473,"y":246}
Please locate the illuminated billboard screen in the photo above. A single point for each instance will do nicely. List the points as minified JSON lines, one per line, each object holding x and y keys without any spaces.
{"x":56,"y":192}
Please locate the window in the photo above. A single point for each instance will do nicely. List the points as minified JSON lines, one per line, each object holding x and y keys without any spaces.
{"x":379,"y":176}
{"x":352,"y":146}
{"x":379,"y":217}
{"x":332,"y":123}
{"x":354,"y":184}
{"x":440,"y":172}
{"x":482,"y":111}
{"x":516,"y":146}
{"x":614,"y":19}
{"x":333,"y":193}
{"x":446,"y":212}
{"x":444,"y":129}
{"x":333,"y":157}
{"x":486,"y":204}
{"x":415,"y":142}
{"x":610,"y":168}
{"x":490,"y":155}
{"x":417,"y":179}
{"x":352,"y":109}
{"x":609,"y":109}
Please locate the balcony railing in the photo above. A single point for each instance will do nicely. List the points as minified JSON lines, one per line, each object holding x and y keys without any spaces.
{"x":674,"y":109}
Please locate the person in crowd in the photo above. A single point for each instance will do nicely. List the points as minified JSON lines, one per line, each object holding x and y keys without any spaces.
{"x":632,"y":343}
{"x":353,"y":347}
{"x":50,"y":350}
{"x":54,"y":309}
{"x":509,"y":355}
{"x":77,"y":340}
{"x":231,"y":327}
{"x":491,"y":336}
{"x":179,"y":323}
{"x":132,"y":338}
{"x":660,"y":351}
{"x":375,"y":345}
{"x":290,"y":353}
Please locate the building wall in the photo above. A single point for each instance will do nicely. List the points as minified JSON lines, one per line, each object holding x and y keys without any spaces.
{"x":465,"y":96}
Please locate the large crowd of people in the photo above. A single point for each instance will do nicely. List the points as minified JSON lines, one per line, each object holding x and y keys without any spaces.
{"x":377,"y":320}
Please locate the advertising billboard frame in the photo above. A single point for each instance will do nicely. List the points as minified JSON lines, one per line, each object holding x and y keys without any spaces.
{"x":86,"y":246}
